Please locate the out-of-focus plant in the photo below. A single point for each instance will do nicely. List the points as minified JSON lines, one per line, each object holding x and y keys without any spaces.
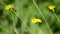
{"x":29,"y":17}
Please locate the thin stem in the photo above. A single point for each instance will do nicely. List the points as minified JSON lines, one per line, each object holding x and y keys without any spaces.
{"x":42,"y":15}
{"x":21,"y":20}
{"x":18,"y":17}
{"x":14,"y":26}
{"x":56,"y":16}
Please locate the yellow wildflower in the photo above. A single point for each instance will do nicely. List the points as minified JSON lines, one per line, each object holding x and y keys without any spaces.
{"x":52,"y":7}
{"x":34,"y":20}
{"x":7,"y":7}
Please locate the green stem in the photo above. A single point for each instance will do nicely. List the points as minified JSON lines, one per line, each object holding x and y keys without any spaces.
{"x":21,"y":20}
{"x":56,"y":16}
{"x":42,"y":15}
{"x":18,"y":17}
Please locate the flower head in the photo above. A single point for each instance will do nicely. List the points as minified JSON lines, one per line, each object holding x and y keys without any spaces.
{"x":10,"y":6}
{"x":35,"y":20}
{"x":52,"y":7}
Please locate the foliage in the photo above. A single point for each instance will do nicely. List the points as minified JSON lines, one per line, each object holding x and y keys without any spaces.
{"x":18,"y":20}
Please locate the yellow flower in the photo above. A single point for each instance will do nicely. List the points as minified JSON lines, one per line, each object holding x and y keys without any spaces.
{"x":34,"y":20}
{"x":52,"y":7}
{"x":10,"y":6}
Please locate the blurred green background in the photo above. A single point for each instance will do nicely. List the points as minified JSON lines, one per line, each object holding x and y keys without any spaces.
{"x":27,"y":11}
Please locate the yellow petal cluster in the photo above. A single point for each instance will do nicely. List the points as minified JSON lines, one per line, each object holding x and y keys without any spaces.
{"x":10,"y":6}
{"x":52,"y":7}
{"x":35,"y":20}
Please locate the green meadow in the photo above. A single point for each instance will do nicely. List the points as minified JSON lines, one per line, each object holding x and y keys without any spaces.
{"x":29,"y":16}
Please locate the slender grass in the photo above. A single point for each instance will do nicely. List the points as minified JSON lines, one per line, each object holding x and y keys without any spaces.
{"x":18,"y":17}
{"x":21,"y":20}
{"x":42,"y":15}
{"x":14,"y":25}
{"x":56,"y":16}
